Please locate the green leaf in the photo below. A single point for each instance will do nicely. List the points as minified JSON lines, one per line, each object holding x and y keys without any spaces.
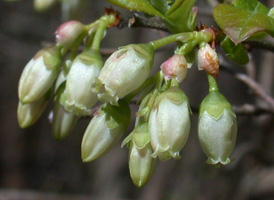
{"x":252,"y":5}
{"x":138,"y":5}
{"x":161,"y":5}
{"x":174,"y":6}
{"x":239,"y":24}
{"x":181,"y":19}
{"x":235,"y":52}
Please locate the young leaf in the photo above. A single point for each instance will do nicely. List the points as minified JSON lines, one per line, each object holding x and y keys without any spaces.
{"x":161,"y":5}
{"x":138,"y":5}
{"x":235,"y":52}
{"x":252,"y":5}
{"x":239,"y":24}
{"x":182,"y":19}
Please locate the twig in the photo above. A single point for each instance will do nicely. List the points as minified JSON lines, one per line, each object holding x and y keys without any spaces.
{"x":261,"y":44}
{"x":252,"y":84}
{"x":138,"y":21}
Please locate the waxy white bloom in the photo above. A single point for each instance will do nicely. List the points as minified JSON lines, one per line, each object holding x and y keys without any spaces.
{"x":217,"y":128}
{"x":175,"y":67}
{"x":39,"y":75}
{"x":141,"y":163}
{"x":208,"y":60}
{"x":104,"y":130}
{"x":125,"y":71}
{"x":29,"y":113}
{"x":68,"y":32}
{"x":82,"y":75}
{"x":169,"y":123}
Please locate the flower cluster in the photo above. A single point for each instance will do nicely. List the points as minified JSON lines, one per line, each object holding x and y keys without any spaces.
{"x":162,"y":126}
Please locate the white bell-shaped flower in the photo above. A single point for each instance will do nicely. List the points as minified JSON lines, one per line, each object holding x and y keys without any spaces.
{"x":217,"y":128}
{"x":169,"y":123}
{"x":82,"y":75}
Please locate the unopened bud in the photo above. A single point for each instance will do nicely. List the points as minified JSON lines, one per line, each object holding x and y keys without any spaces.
{"x":29,"y":113}
{"x":217,"y":128}
{"x":141,"y":164}
{"x":43,"y":5}
{"x":208,"y":60}
{"x":39,"y":75}
{"x":169,"y":123}
{"x":63,"y":121}
{"x":104,"y":130}
{"x":125,"y":71}
{"x":67,"y":33}
{"x":175,"y":67}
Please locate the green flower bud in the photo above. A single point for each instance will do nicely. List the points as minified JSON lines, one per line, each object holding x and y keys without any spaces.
{"x":43,"y":5}
{"x":169,"y":123}
{"x":141,"y":164}
{"x":39,"y":75}
{"x":104,"y":130}
{"x":68,"y":32}
{"x":217,"y":128}
{"x":63,"y":121}
{"x":29,"y":113}
{"x":125,"y":71}
{"x":82,"y":74}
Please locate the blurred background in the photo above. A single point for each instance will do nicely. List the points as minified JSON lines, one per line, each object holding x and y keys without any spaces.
{"x":33,"y":166}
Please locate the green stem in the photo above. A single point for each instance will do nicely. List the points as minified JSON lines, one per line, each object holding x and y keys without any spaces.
{"x":194,"y":38}
{"x":105,"y":21}
{"x":213,"y":86}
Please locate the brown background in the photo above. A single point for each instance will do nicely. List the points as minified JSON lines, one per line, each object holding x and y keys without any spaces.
{"x":34,"y":166}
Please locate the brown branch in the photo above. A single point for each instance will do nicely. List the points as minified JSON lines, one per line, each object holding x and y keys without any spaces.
{"x":138,"y":21}
{"x":259,"y":44}
{"x":257,"y":89}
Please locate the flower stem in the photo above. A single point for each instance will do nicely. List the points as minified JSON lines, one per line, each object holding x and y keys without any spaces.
{"x":105,"y":21}
{"x":213,"y":86}
{"x":194,"y":38}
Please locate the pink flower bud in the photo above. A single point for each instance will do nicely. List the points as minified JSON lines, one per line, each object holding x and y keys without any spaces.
{"x":175,"y":67}
{"x":208,"y":60}
{"x":68,"y":32}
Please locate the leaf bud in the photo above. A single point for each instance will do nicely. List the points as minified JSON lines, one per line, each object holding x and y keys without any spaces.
{"x":208,"y":60}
